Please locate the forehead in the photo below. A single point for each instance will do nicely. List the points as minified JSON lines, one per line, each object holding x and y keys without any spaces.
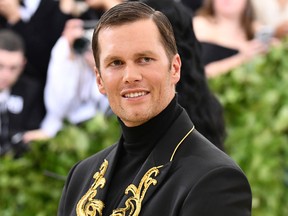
{"x":11,"y":56}
{"x":130,"y":36}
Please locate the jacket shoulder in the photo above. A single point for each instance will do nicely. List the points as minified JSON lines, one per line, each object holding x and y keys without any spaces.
{"x":203,"y":156}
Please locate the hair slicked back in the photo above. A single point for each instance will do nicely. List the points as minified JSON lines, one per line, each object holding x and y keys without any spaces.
{"x":128,"y":12}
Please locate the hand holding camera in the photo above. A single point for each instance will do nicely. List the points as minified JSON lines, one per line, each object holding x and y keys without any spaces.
{"x":265,"y":35}
{"x":79,"y":34}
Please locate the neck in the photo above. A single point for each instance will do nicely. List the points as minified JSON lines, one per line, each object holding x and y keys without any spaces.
{"x":155,"y":126}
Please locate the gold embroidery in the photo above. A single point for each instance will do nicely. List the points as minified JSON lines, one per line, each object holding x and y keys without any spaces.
{"x":133,"y":204}
{"x":87,"y":205}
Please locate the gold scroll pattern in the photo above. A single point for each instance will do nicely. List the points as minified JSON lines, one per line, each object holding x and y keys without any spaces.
{"x":133,"y":203}
{"x":87,"y":205}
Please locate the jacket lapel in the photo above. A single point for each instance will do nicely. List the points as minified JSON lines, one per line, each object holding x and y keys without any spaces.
{"x":112,"y":160}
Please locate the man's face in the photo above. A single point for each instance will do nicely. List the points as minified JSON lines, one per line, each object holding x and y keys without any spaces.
{"x":135,"y":72}
{"x":11,"y":66}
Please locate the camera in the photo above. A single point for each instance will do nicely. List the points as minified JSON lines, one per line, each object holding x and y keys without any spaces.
{"x":265,"y":35}
{"x":81,"y":45}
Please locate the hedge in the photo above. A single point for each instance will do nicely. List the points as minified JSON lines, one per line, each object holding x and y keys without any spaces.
{"x":32,"y":184}
{"x":255,"y":101}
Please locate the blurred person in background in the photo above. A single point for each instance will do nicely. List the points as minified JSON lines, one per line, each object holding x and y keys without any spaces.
{"x":226,"y":30}
{"x":71,"y":91}
{"x":40,"y":24}
{"x":20,"y":109}
{"x":273,"y":14}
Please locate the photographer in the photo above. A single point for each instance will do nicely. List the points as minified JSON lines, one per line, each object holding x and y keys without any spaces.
{"x":20,"y":108}
{"x":71,"y":92}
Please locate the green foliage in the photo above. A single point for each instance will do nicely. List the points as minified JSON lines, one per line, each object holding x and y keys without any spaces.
{"x":255,"y":100}
{"x":32,"y":184}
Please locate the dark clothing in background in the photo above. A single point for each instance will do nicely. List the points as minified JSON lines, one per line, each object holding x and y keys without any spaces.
{"x":213,"y":52}
{"x":193,"y":5}
{"x":23,"y":111}
{"x":30,"y":117}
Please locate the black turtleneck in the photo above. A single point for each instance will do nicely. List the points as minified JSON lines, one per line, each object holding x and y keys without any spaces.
{"x":138,"y":143}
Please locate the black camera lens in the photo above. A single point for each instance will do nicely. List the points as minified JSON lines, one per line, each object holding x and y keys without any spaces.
{"x":81,"y":45}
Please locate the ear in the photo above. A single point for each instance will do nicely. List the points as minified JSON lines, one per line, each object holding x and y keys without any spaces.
{"x":99,"y":81}
{"x":175,"y":68}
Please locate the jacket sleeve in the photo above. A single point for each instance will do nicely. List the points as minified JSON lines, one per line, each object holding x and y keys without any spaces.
{"x":62,"y":208}
{"x":223,"y":191}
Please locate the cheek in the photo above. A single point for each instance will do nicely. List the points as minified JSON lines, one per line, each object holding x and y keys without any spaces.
{"x":107,"y":84}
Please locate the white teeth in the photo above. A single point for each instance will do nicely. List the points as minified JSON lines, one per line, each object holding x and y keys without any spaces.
{"x":135,"y":94}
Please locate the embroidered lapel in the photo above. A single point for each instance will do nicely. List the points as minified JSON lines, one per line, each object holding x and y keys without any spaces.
{"x":92,"y":202}
{"x":148,"y":179}
{"x":112,"y":159}
{"x":141,"y":189}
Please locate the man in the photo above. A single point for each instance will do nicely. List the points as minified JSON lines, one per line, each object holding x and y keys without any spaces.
{"x":19,"y":108}
{"x":161,"y":165}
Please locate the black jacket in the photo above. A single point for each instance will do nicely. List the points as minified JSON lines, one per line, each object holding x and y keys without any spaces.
{"x":31,"y":115}
{"x":200,"y":180}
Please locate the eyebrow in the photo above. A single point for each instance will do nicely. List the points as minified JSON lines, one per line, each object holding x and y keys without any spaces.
{"x":110,"y":58}
{"x":145,"y":53}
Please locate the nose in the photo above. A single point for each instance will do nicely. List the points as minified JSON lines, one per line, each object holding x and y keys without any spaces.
{"x":132,"y":74}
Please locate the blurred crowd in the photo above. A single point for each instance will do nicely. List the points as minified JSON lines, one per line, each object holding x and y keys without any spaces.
{"x":47,"y":66}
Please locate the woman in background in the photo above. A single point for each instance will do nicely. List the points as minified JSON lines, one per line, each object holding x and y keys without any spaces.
{"x":226,"y":30}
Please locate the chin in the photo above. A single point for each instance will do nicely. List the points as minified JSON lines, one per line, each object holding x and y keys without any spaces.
{"x":133,"y":120}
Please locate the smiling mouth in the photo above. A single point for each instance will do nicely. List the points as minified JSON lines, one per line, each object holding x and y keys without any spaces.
{"x":135,"y":94}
